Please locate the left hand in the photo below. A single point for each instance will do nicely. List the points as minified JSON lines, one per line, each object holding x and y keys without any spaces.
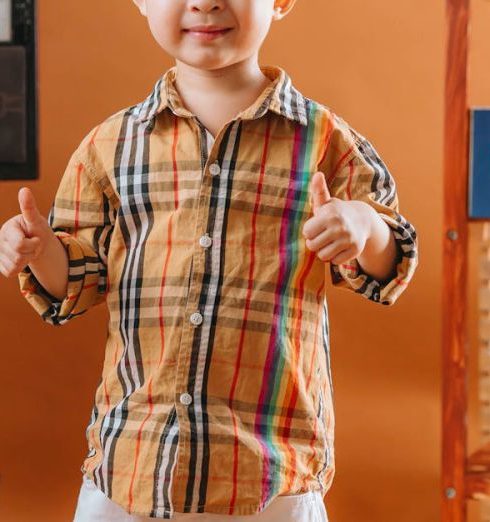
{"x":339,"y":229}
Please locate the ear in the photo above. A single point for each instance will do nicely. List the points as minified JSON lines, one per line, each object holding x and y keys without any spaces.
{"x":282,"y":8}
{"x":141,"y":4}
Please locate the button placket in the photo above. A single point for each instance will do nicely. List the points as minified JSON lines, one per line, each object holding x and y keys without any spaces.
{"x":195,"y":317}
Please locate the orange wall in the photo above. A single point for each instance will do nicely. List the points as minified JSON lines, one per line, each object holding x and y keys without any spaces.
{"x":380,"y":65}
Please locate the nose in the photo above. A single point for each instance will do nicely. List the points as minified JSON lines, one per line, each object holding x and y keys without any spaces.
{"x":206,"y":5}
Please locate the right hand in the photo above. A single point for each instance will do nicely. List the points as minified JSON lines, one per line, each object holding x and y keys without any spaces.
{"x":23,"y":238}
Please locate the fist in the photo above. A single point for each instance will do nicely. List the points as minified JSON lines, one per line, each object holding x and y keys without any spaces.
{"x":24,"y":236}
{"x":338,"y":230}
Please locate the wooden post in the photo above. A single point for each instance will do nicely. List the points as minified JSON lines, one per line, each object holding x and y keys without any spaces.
{"x":454,"y":279}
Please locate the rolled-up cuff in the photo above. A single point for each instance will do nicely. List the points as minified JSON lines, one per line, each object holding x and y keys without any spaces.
{"x":82,"y":288}
{"x":352,"y":277}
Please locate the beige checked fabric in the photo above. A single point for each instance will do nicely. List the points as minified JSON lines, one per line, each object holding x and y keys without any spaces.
{"x":216,"y":392}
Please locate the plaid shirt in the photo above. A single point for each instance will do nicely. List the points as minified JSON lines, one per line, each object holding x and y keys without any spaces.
{"x":216,"y":391}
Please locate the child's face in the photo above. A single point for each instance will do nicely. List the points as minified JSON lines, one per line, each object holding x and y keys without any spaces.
{"x":248,"y":22}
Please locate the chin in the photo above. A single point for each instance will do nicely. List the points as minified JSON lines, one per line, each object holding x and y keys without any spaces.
{"x":208,"y":63}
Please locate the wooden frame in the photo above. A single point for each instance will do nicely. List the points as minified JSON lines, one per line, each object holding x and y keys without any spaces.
{"x":463,"y":477}
{"x":455,"y":264}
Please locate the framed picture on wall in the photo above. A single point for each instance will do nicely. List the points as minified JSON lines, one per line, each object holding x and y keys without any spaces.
{"x":18,"y":90}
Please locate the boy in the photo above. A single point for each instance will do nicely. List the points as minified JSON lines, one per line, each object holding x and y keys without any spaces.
{"x":205,"y":217}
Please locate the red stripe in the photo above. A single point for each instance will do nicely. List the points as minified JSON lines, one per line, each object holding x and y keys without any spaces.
{"x":310,"y":256}
{"x":337,"y":166}
{"x":169,"y":239}
{"x":319,"y":296}
{"x":106,"y":395}
{"x":84,"y":287}
{"x":349,"y":181}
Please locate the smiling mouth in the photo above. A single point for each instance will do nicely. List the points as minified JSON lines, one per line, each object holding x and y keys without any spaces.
{"x":207,"y":35}
{"x":208,"y":31}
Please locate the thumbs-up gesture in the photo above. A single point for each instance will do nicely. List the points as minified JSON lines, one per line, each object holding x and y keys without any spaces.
{"x":24,"y":236}
{"x":339,"y":229}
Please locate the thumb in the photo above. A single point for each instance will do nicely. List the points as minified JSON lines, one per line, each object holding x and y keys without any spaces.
{"x":28,"y":207}
{"x":319,"y":191}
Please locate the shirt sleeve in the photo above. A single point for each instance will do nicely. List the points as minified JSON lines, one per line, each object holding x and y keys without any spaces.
{"x":354,"y":170}
{"x":82,"y":217}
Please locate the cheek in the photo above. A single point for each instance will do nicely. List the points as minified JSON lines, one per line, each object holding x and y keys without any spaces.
{"x":165,"y":38}
{"x":252,"y":33}
{"x":165,"y":28}
{"x":254,"y":28}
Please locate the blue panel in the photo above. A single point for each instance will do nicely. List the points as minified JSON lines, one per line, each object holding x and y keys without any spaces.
{"x":479,"y":166}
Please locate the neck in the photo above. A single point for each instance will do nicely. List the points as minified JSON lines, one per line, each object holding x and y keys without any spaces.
{"x":240,"y":76}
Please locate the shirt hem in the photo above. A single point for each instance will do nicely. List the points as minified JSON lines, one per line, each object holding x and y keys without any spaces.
{"x":238,"y":509}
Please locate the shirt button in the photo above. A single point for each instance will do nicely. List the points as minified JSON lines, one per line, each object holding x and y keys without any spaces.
{"x":205,"y":241}
{"x":214,"y":168}
{"x":185,"y":398}
{"x":196,"y":318}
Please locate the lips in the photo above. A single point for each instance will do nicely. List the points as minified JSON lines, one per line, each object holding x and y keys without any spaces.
{"x":207,"y":33}
{"x":207,"y":29}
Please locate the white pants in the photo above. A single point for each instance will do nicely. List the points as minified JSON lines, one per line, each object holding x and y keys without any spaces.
{"x":94,"y":506}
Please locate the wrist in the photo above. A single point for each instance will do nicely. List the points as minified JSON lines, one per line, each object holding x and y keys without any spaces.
{"x":51,"y":267}
{"x":378,"y":258}
{"x":371,"y":220}
{"x":378,"y":236}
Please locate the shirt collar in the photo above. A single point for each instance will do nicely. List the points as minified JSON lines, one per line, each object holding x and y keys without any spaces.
{"x":280,"y":97}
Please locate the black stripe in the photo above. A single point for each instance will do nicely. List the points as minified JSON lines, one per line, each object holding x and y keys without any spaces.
{"x":282,"y":96}
{"x":104,"y":435}
{"x":162,"y":446}
{"x":196,"y":340}
{"x":130,"y":332}
{"x":294,"y":102}
{"x":376,"y":163}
